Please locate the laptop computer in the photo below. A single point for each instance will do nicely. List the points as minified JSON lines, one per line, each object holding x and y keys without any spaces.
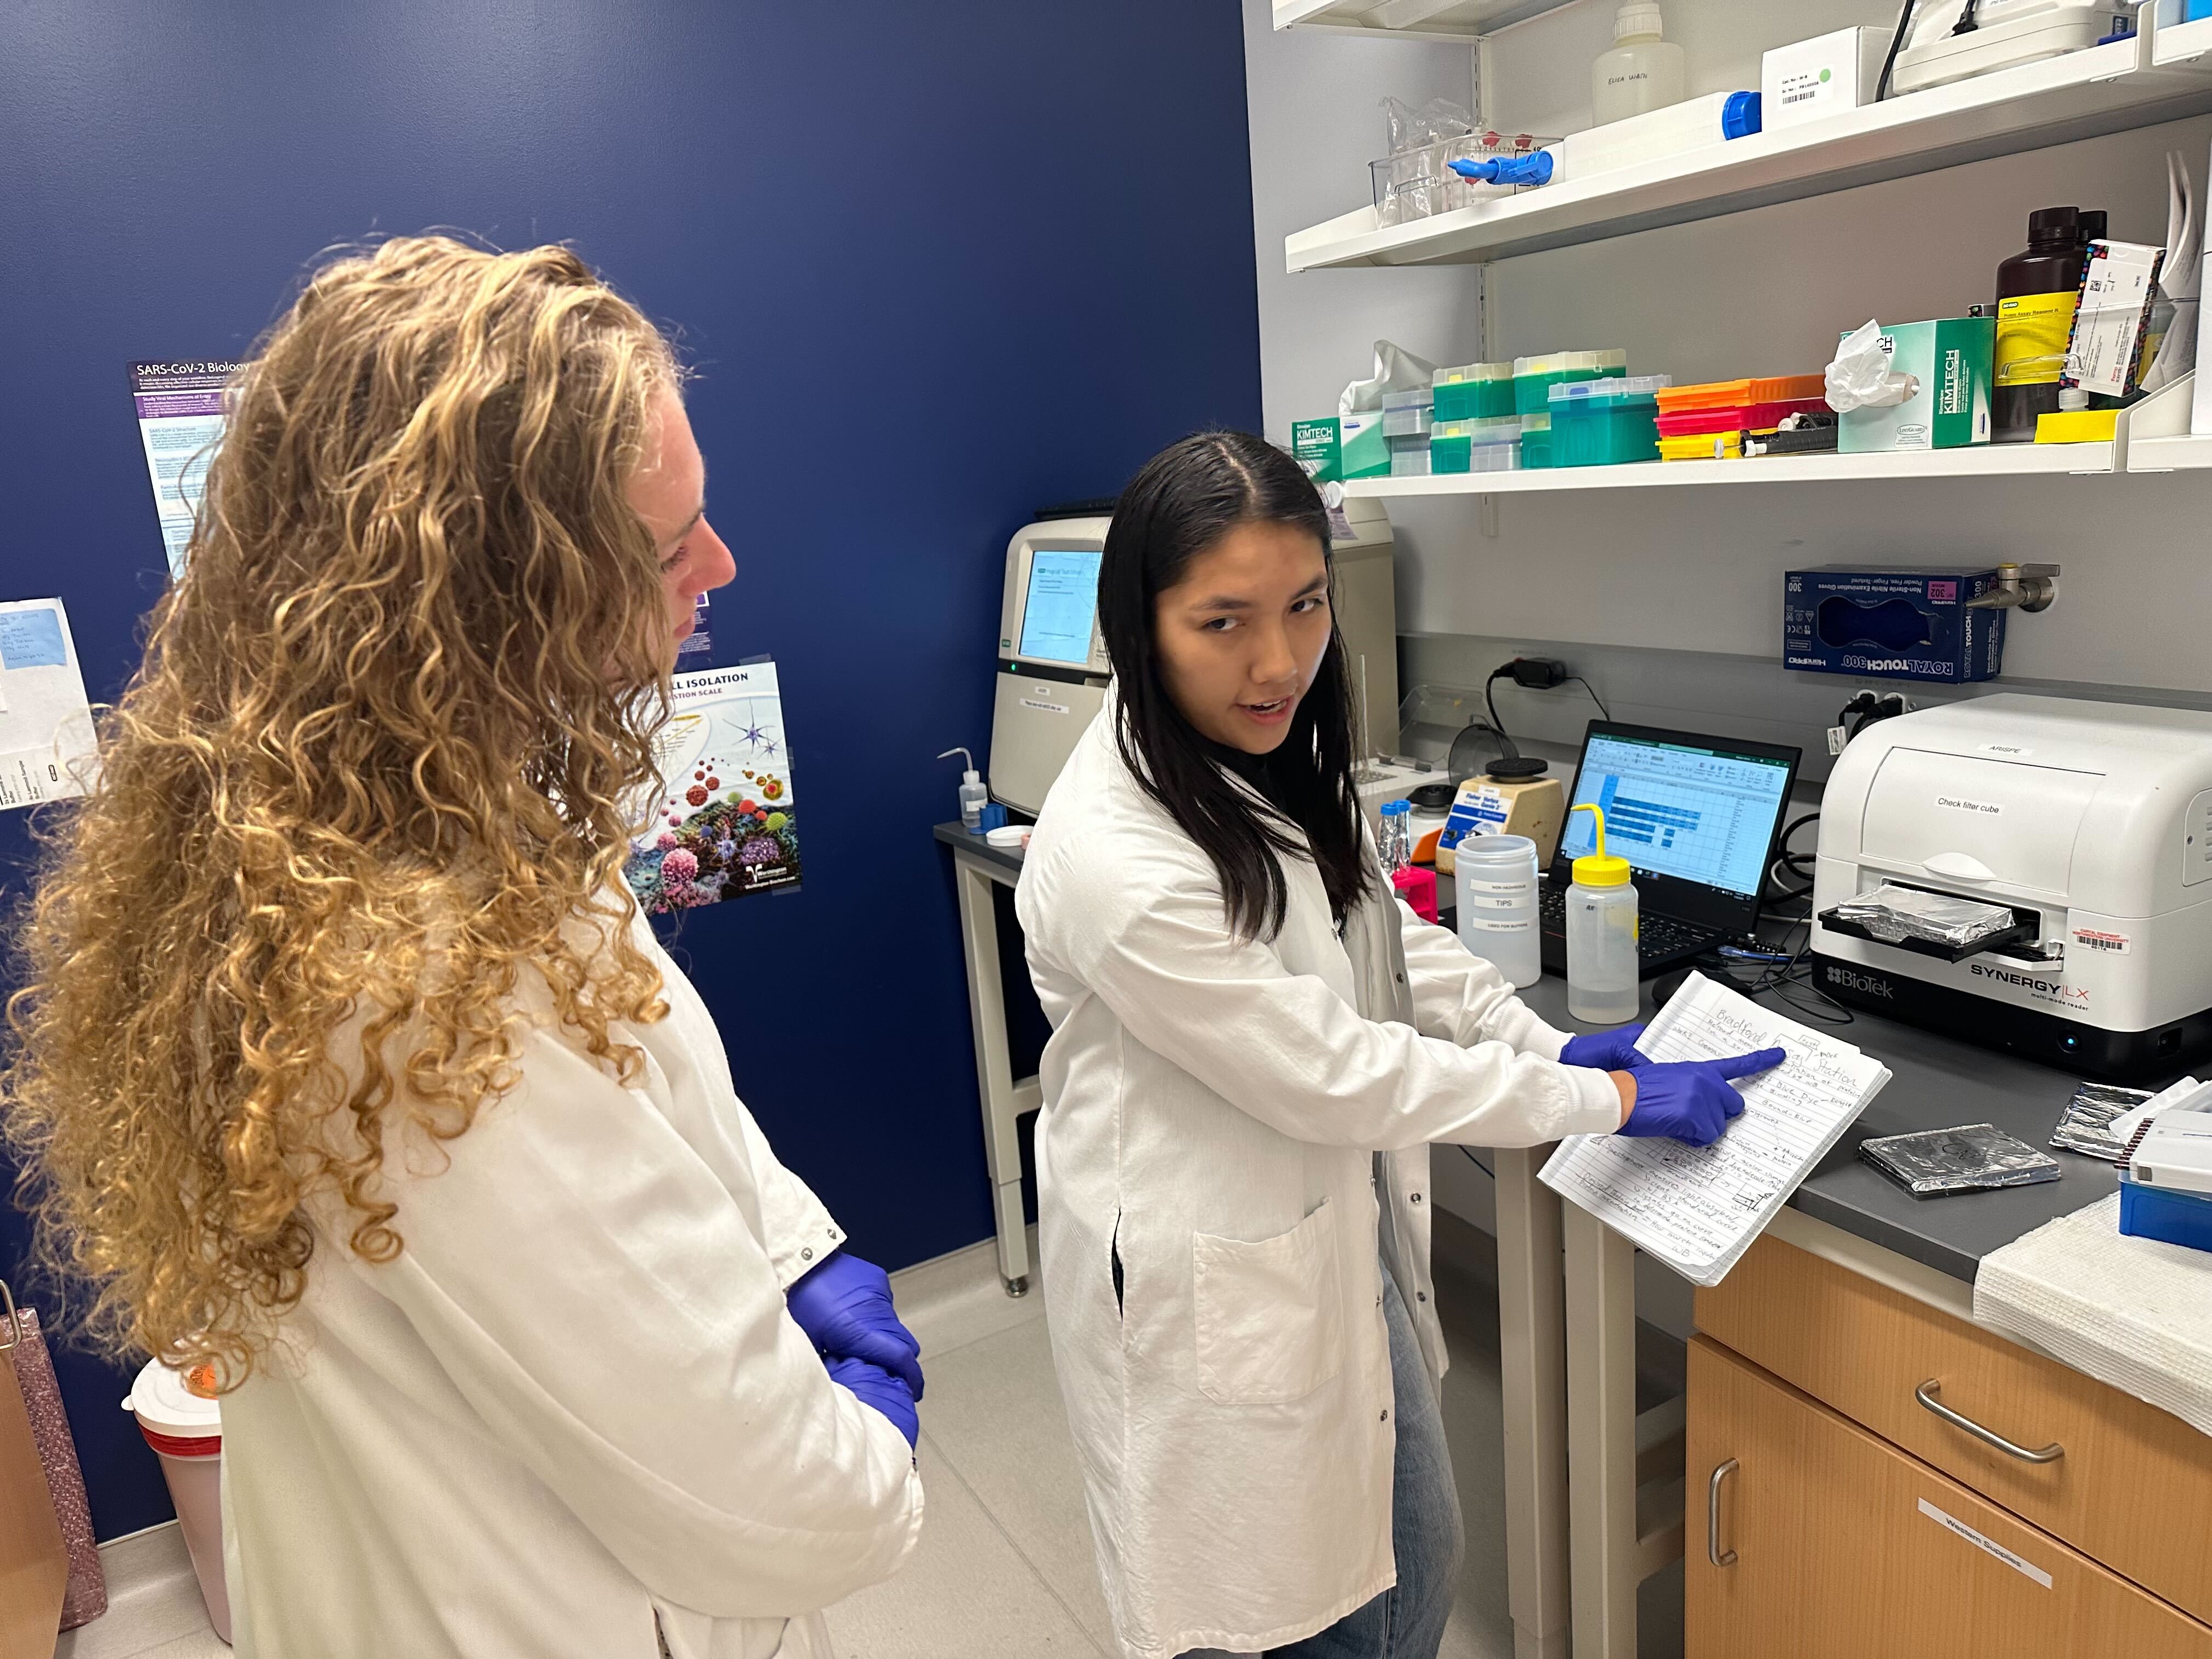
{"x":1697,"y":818}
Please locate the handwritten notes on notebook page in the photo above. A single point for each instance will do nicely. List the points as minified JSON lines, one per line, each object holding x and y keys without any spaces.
{"x":1698,"y":1209}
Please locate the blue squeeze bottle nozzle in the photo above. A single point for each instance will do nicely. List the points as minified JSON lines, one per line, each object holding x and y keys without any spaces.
{"x":1534,"y":168}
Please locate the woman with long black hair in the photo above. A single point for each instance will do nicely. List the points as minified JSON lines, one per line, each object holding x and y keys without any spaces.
{"x":1253,"y":1042}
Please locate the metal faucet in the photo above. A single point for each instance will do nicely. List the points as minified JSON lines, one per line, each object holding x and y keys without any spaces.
{"x":2024,"y":587}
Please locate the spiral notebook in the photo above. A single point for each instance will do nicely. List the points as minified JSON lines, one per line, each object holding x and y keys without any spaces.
{"x":1698,"y":1209}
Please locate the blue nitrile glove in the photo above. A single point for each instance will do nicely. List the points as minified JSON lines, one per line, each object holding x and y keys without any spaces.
{"x":1691,"y":1099}
{"x":1608,"y":1051}
{"x":844,"y":1306}
{"x":874,"y":1386}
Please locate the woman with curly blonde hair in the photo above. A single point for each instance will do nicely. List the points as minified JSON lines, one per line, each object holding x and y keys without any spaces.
{"x":346,"y":1067}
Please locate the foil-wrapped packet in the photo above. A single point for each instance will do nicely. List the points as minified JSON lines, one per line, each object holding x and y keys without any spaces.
{"x":1966,"y":1159}
{"x":2085,"y":1125}
{"x":1897,"y":915}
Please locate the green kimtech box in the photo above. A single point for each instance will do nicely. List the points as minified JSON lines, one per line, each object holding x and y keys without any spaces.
{"x":1951,"y":359}
{"x":1337,"y":448}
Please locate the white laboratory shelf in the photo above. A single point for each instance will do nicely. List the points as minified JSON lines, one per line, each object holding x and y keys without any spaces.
{"x":2083,"y":94}
{"x":1979,"y":461}
{"x":1461,"y":20}
{"x":2159,"y":439}
{"x":2183,"y":43}
{"x":2179,"y":454}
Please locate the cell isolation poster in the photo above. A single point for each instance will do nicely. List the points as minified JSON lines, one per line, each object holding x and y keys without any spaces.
{"x":726,"y":823}
{"x":180,"y":424}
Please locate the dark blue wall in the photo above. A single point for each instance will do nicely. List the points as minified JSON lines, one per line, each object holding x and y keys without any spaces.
{"x":936,"y":263}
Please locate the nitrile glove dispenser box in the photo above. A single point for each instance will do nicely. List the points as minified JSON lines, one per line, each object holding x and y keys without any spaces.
{"x":1891,"y":621}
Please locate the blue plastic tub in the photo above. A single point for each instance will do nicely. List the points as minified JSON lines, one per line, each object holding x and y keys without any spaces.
{"x":2165,"y":1213}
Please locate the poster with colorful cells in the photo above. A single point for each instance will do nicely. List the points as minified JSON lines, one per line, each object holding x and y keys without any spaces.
{"x":726,"y":823}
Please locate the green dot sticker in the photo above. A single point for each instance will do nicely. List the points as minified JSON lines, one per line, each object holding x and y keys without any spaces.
{"x":1826,"y":75}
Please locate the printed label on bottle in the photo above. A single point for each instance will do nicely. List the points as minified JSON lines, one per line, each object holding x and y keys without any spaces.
{"x":1477,"y":921}
{"x":2032,"y":330}
{"x":1523,"y":891}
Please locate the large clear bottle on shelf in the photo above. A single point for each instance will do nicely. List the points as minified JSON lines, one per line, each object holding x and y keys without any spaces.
{"x":1644,"y":71}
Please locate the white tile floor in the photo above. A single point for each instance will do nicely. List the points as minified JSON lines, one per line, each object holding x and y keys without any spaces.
{"x":1004,"y":1568}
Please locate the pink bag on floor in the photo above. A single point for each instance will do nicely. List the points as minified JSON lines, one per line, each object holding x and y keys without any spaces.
{"x":86,"y":1598}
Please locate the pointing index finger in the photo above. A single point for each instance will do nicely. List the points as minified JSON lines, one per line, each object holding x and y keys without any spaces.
{"x":1761,"y":1059}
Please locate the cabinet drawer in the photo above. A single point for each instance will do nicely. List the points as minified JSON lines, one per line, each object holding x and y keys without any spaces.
{"x":2132,"y":1487}
{"x":1844,"y":1546}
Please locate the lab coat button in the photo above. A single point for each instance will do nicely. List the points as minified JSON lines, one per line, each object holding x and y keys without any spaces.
{"x":1420,"y":1295}
{"x":1416,"y":1198}
{"x":806,"y":1255}
{"x":1386,"y":1413}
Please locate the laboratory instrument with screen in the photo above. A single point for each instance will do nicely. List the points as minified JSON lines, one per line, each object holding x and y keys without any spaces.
{"x":2030,"y":873}
{"x":1051,"y":662}
{"x":1053,"y":667}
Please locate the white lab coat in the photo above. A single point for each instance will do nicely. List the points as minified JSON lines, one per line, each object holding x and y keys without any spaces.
{"x":575,"y":1404}
{"x":1213,"y":1110}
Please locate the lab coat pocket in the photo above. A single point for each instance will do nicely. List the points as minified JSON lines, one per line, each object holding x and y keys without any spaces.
{"x":1270,"y":1315}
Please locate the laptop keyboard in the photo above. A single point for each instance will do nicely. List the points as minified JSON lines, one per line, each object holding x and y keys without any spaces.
{"x":1656,"y":936}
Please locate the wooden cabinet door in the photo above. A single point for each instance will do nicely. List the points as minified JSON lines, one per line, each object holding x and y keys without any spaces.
{"x":2132,"y":1487}
{"x":1845,"y":1547}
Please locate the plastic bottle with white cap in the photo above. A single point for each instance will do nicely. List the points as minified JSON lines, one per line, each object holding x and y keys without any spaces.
{"x":1603,"y":969}
{"x":1498,"y":905}
{"x":1644,"y":71}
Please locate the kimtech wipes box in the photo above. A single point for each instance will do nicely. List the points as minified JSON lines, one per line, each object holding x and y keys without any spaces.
{"x":1891,"y":621}
{"x":1340,"y":447}
{"x":1950,"y":358}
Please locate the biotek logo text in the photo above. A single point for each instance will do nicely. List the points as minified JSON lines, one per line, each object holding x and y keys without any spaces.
{"x":1862,"y":983}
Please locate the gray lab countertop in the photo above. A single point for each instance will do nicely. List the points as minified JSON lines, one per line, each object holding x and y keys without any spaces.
{"x":953,"y":835}
{"x":1937,"y":1083}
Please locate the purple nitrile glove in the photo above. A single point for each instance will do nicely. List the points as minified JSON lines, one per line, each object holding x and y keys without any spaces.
{"x":1691,"y":1099}
{"x":1607,"y":1051}
{"x":844,"y":1306}
{"x":873,"y":1386}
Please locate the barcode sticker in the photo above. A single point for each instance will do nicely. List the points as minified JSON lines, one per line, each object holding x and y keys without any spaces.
{"x":2099,"y":939}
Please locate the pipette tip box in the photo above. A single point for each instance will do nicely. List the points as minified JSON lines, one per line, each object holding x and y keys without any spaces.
{"x":2170,"y":1216}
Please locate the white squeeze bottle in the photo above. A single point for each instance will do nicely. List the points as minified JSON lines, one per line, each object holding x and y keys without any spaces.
{"x":974,"y":797}
{"x":1643,"y":71}
{"x":1602,"y":976}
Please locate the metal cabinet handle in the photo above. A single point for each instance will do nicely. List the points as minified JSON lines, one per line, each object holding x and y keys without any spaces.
{"x":1925,"y":1393}
{"x":1713,"y":1516}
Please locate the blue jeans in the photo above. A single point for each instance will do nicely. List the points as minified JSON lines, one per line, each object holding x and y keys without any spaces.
{"x":1406,"y":1621}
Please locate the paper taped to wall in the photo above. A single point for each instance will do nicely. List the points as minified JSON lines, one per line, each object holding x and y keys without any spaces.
{"x":1698,"y":1209}
{"x":46,"y":747}
{"x":179,"y":424}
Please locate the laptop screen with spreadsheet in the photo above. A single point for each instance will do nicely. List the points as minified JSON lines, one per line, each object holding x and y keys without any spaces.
{"x":1694,"y":816}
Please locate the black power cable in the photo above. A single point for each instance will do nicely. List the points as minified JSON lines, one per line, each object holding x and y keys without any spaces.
{"x":1533,"y":674}
{"x":1896,"y":44}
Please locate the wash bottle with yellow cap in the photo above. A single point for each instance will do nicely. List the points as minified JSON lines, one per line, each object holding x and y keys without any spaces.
{"x":1601,"y":966}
